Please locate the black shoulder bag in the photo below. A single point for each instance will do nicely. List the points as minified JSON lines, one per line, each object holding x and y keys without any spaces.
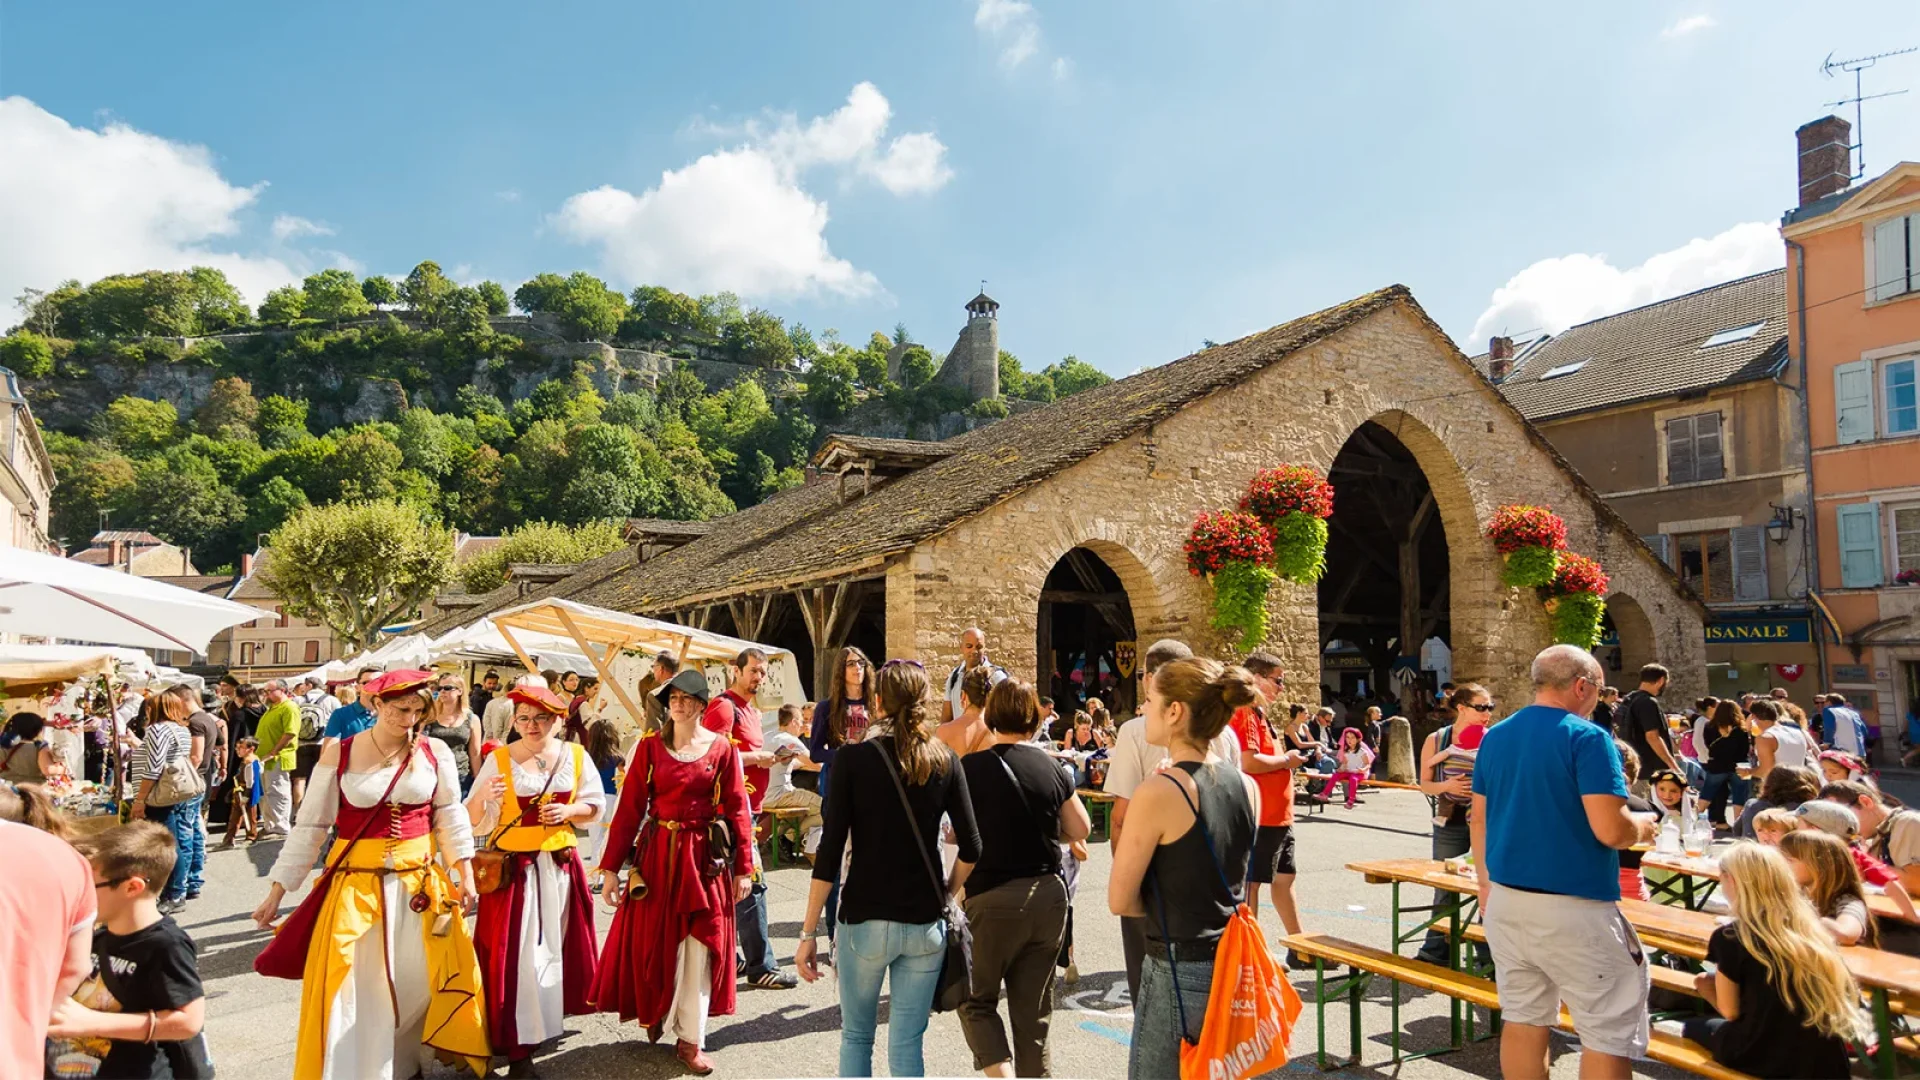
{"x":956,"y":973}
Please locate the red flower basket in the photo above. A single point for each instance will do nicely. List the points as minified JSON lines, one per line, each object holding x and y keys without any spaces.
{"x":1289,"y":489}
{"x":1516,"y":527}
{"x":1223,"y":536}
{"x":1578,"y":574}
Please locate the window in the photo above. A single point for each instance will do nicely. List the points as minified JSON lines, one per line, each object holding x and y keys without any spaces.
{"x":1705,"y":562}
{"x":281,"y":609}
{"x":1728,"y":337}
{"x":279,"y":652}
{"x":1859,"y":529}
{"x":1903,"y":411}
{"x":1906,"y":538}
{"x":246,"y":654}
{"x":1853,"y":401}
{"x":1893,"y":258}
{"x":1563,"y":369}
{"x":313,"y":652}
{"x":1693,"y":449}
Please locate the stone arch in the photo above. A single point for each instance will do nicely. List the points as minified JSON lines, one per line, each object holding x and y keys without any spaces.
{"x":1147,"y":598}
{"x":1636,"y":643}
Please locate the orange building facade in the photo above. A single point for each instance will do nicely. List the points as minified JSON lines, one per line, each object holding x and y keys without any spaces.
{"x":1853,"y":306}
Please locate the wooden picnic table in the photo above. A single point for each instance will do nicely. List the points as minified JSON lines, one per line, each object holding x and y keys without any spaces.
{"x":1708,"y":869}
{"x":1680,"y":932}
{"x":1099,"y":809}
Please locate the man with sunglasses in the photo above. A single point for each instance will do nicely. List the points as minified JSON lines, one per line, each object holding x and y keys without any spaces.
{"x":356,"y":717}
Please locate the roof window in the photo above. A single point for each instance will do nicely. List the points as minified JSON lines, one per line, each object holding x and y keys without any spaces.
{"x":1738,"y":333}
{"x":1563,"y":369}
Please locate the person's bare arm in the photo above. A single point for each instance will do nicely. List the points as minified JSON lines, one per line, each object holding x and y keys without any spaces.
{"x":1115,"y":819}
{"x":1477,"y":845}
{"x":1134,"y":850}
{"x":72,"y":1020}
{"x":1612,"y":823}
{"x":1726,"y":996}
{"x":77,"y":962}
{"x":197,"y":750}
{"x":1897,"y":893}
{"x":1255,"y":763}
{"x":1763,"y":747}
{"x":1844,"y":929}
{"x":1075,"y":822}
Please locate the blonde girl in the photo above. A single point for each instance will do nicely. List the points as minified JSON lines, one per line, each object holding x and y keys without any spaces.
{"x":1788,"y":1006}
{"x":1825,"y":869}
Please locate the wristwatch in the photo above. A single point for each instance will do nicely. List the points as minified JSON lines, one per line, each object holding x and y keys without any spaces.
{"x":816,"y":935}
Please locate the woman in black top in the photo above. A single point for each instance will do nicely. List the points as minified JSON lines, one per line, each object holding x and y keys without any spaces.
{"x":893,"y":901}
{"x":1016,"y":897}
{"x":1728,"y":747}
{"x":1184,"y":827}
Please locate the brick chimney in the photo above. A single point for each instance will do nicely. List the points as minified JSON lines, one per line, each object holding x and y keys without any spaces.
{"x":246,"y":566}
{"x":1499,"y":358}
{"x":1826,"y":157}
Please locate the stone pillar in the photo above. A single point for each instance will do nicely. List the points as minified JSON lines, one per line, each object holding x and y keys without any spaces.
{"x":1400,"y":750}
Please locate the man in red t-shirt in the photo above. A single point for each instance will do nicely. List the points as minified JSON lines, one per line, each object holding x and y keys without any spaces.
{"x":1272,"y":862}
{"x":733,"y":715}
{"x":47,"y":908}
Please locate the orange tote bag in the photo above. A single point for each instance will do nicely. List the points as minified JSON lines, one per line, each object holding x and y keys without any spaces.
{"x":1250,"y":1011}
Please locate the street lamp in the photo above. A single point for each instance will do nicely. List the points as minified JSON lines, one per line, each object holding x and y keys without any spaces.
{"x":1782,"y":523}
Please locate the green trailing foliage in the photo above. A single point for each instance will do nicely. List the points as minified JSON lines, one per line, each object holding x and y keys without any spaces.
{"x":1300,"y":547}
{"x":1529,"y":567}
{"x":1576,"y":618}
{"x":1240,"y":601}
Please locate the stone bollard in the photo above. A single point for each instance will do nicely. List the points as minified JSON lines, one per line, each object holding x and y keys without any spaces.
{"x":1400,"y":750}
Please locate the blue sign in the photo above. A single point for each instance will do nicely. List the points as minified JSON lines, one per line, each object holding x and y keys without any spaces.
{"x":1745,"y":630}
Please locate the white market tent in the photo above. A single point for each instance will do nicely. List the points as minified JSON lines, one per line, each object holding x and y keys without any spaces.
{"x":46,"y":596}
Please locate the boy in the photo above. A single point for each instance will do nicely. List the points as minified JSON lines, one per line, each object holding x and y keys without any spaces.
{"x":247,"y":782}
{"x":1771,"y":824}
{"x":789,"y":753}
{"x":141,"y":1012}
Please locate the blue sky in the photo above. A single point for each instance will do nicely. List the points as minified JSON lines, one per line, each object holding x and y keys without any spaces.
{"x":1129,"y":177}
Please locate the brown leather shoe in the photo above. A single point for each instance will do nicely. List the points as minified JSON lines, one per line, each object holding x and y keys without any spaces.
{"x":693,"y":1058}
{"x":653,"y":1033}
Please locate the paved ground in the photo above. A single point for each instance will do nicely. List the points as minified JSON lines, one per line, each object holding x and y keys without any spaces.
{"x":252,"y":1020}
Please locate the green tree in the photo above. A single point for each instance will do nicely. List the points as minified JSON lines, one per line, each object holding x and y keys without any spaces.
{"x":427,"y":444}
{"x":720,"y":310}
{"x":334,"y":294}
{"x":283,"y":305}
{"x":182,"y":498}
{"x":366,"y":465}
{"x":588,"y":309}
{"x":540,"y":542}
{"x":760,"y":339}
{"x":463,"y":311}
{"x":916,"y":367}
{"x":138,"y":426}
{"x":152,"y":304}
{"x":1072,"y":375}
{"x":659,"y":314}
{"x":270,"y":507}
{"x":229,"y":412}
{"x":900,"y":334}
{"x":630,"y":410}
{"x":282,"y":414}
{"x":379,"y":290}
{"x":53,"y":314}
{"x":494,"y":295}
{"x":830,"y":387}
{"x":27,"y":353}
{"x":872,"y":361}
{"x":426,"y":291}
{"x":358,"y":566}
{"x":470,"y":400}
{"x":90,"y":477}
{"x":217,"y":305}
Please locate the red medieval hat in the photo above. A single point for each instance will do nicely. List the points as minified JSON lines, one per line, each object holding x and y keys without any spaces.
{"x":540,"y":697}
{"x":398,"y":683}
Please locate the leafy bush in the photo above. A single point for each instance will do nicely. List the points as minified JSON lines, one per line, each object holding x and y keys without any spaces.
{"x":539,"y":542}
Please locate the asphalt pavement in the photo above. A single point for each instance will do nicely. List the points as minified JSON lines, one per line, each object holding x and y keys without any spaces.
{"x":252,"y":1021}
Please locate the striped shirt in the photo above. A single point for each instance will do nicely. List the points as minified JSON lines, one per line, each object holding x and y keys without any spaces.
{"x":165,"y":742}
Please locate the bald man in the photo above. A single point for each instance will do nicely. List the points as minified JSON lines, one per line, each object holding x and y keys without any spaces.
{"x":973,"y":654}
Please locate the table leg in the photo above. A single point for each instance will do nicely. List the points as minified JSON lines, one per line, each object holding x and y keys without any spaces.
{"x":1453,"y":961}
{"x":1320,"y":1005}
{"x":1353,"y":1014}
{"x":1393,"y":988}
{"x":1887,"y":1062}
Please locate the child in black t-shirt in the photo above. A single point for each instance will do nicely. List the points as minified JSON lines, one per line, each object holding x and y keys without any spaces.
{"x":140,"y":1014}
{"x":1788,"y":1006}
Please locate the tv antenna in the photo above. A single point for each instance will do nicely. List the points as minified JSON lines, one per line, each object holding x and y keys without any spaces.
{"x":1857,"y":65}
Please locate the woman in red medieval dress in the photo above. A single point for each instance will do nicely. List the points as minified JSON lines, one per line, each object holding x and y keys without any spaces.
{"x":535,"y":934}
{"x":668,"y":961}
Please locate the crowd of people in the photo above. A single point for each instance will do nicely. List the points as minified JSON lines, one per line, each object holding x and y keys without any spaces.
{"x":462,"y":835}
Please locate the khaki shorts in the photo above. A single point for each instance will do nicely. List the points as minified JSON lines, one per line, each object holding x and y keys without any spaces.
{"x":1549,"y":948}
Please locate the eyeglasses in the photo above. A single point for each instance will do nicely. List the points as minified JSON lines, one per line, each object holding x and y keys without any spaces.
{"x":1484,"y":708}
{"x":114,"y":884}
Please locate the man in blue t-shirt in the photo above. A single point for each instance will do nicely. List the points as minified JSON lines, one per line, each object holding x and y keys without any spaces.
{"x":1549,"y":814}
{"x":355,"y":717}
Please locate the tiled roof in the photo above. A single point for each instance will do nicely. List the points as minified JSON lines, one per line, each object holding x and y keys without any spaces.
{"x":808,"y":533}
{"x":471,"y":546}
{"x":1655,"y":351}
{"x":666,"y":527}
{"x":211,"y":584}
{"x":131,"y":536}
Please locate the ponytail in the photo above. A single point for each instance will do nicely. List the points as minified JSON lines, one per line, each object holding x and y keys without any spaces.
{"x":901,"y":690}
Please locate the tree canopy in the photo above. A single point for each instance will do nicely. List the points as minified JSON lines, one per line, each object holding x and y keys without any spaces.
{"x":358,"y":566}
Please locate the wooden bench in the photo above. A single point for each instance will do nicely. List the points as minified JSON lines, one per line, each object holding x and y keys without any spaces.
{"x":1475,"y":991}
{"x":775,"y":822}
{"x":1664,"y":978}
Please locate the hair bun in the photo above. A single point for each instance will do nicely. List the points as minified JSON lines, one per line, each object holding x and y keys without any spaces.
{"x":1236,"y":687}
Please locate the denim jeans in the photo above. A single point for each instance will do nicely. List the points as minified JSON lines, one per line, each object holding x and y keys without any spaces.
{"x":1157,"y":1033}
{"x":1449,"y":841}
{"x":864,"y":954}
{"x":183,"y":821}
{"x":750,"y":923}
{"x":197,"y":874}
{"x":1716,"y":788}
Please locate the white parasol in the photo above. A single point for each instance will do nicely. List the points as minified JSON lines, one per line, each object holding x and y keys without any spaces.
{"x":46,"y":596}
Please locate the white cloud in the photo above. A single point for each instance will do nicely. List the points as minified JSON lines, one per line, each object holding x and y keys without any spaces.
{"x":290,"y":227}
{"x":1688,"y":25}
{"x":740,"y":219}
{"x":1014,"y":28}
{"x":80,"y":203}
{"x":509,"y":195}
{"x":1556,"y":293}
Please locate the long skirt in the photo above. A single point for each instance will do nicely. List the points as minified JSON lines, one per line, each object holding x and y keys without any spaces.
{"x":380,"y":986}
{"x":646,"y":957}
{"x":537,"y":949}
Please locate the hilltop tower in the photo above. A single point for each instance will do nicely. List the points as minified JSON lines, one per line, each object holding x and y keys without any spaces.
{"x":974,"y":363}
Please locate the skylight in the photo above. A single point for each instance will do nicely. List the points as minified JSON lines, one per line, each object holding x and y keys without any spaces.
{"x":1563,"y":369}
{"x":1738,"y":333}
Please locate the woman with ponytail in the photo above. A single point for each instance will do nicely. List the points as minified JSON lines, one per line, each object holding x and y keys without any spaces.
{"x":892,"y":903}
{"x":1787,"y":1004}
{"x":1186,"y":825}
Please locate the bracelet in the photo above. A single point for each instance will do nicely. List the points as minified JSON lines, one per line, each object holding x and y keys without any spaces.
{"x":153,"y":1022}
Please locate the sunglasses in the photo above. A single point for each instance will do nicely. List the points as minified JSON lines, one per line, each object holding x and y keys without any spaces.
{"x":1481,"y":708}
{"x":114,"y":884}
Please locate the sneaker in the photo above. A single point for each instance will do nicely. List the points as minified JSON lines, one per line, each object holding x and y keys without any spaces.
{"x":1298,"y":962}
{"x":776,"y":980}
{"x":172,"y":907}
{"x":193,"y":894}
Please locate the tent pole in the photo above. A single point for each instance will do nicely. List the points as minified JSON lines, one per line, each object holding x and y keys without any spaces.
{"x":517,"y":650}
{"x":601,"y":665}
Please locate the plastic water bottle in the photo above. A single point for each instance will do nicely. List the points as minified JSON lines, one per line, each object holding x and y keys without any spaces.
{"x":1669,"y":841}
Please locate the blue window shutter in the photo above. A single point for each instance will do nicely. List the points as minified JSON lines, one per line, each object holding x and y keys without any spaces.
{"x":1859,"y":529}
{"x":1890,"y":265}
{"x":1853,"y":401}
{"x":1749,"y":544}
{"x":1659,"y":542}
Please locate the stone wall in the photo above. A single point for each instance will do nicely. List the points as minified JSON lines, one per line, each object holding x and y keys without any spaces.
{"x":1133,"y":502}
{"x":974,"y":363}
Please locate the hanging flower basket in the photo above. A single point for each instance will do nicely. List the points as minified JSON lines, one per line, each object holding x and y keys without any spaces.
{"x":1294,"y":501}
{"x":1232,"y":550}
{"x":1530,"y":540}
{"x":1574,"y":600}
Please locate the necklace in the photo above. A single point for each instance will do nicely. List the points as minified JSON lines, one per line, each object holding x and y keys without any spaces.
{"x":390,"y":758}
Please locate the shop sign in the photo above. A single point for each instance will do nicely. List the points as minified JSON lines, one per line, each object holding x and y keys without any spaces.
{"x":1850,"y":673}
{"x":1346,"y":663}
{"x":1758,"y":631}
